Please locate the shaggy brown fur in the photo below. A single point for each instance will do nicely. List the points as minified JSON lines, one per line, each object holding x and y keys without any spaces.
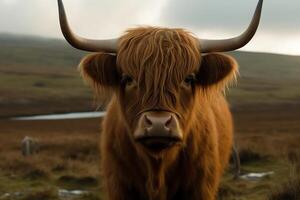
{"x":149,"y":72}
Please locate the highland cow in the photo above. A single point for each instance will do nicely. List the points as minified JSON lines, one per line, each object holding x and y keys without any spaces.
{"x":168,"y":130}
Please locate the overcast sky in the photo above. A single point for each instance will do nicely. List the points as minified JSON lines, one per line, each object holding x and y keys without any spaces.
{"x":279,"y":31}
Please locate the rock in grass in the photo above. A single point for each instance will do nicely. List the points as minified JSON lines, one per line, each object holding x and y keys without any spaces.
{"x":30,"y":146}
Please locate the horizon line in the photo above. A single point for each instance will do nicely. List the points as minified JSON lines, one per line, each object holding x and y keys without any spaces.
{"x":62,"y":39}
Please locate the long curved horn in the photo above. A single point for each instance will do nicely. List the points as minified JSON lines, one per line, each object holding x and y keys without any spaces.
{"x":78,"y":42}
{"x":231,"y":44}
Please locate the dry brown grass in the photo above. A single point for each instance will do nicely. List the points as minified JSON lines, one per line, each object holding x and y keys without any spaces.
{"x":287,"y":191}
{"x":69,"y":155}
{"x":43,"y":194}
{"x":248,"y":155}
{"x":68,"y":158}
{"x":77,"y":154}
{"x":268,"y":140}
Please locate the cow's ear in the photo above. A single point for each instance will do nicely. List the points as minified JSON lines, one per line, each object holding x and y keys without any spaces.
{"x":217,"y":70}
{"x":100,"y":70}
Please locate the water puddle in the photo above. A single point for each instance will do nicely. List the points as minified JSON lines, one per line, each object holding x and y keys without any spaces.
{"x":256,"y":176}
{"x":61,"y":193}
{"x":79,"y":115}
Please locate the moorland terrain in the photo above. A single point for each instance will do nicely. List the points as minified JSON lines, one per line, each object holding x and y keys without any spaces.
{"x":39,"y":76}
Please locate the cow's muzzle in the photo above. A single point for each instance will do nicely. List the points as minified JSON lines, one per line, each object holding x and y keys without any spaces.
{"x":158,"y":130}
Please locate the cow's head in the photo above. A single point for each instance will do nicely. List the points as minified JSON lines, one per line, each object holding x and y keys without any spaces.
{"x":157,"y":74}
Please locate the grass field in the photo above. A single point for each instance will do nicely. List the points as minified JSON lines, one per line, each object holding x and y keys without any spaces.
{"x":39,"y":75}
{"x":69,"y":155}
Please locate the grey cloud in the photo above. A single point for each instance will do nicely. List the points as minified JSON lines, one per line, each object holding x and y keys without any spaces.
{"x":232,"y":15}
{"x":109,"y":18}
{"x":94,"y":18}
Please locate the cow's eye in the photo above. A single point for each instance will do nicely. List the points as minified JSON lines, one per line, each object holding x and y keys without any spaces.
{"x":126,"y":80}
{"x":190,"y":79}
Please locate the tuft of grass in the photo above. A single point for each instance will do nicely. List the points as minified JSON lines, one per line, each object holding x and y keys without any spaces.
{"x":227,"y":191}
{"x":59,"y":167}
{"x":34,"y":174}
{"x":27,"y":168}
{"x":44,"y":194}
{"x":248,"y":155}
{"x":293,"y":157}
{"x":90,"y":196}
{"x":287,"y":191}
{"x":75,"y":182}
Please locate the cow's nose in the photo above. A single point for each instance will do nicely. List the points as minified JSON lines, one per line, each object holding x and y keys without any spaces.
{"x":158,"y":130}
{"x":158,"y":125}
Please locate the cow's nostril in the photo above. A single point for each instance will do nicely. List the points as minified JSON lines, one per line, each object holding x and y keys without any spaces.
{"x":168,"y":121}
{"x":147,"y":121}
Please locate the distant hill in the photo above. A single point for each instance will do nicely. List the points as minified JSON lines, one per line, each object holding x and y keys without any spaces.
{"x":267,"y":79}
{"x":37,"y":51}
{"x":39,"y":75}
